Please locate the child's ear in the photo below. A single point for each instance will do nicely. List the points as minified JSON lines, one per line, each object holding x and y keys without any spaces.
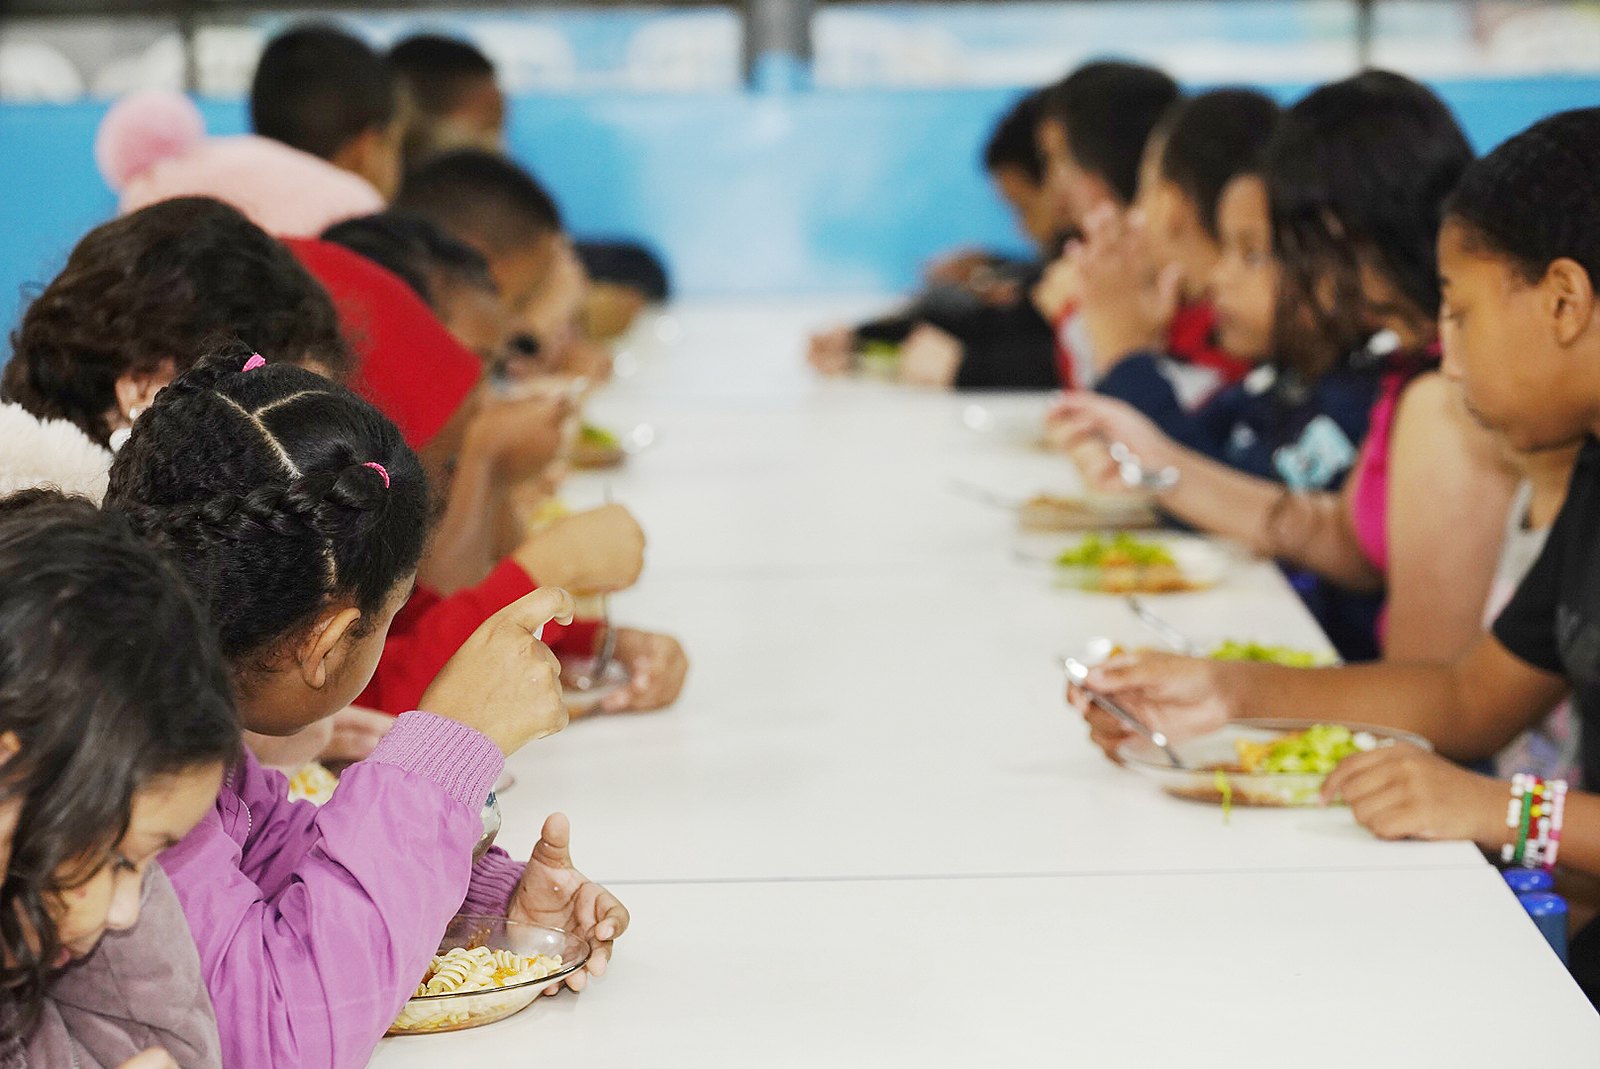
{"x":317,"y":648}
{"x":1571,"y":299}
{"x":10,"y":746}
{"x":135,"y":390}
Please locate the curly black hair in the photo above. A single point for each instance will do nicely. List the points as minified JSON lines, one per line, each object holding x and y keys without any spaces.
{"x":109,"y":678}
{"x":1536,"y":198}
{"x":261,"y":484}
{"x":164,"y":283}
{"x":1359,"y":172}
{"x":1108,"y":109}
{"x":1208,"y":140}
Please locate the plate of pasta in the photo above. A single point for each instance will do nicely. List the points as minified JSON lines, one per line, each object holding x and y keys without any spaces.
{"x":487,"y":969}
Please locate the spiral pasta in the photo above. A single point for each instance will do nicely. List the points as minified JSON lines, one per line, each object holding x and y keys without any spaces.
{"x":472,"y":969}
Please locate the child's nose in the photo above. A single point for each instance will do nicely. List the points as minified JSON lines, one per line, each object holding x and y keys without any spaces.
{"x":124,"y":912}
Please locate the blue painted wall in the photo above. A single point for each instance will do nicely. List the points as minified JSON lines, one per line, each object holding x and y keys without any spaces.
{"x":824,"y":191}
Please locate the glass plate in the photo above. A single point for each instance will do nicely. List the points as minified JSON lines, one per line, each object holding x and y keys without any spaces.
{"x":1205,"y":754}
{"x":453,"y":1012}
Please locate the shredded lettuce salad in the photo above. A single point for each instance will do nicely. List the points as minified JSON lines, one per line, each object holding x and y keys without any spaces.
{"x":1289,"y":657}
{"x":599,"y":437}
{"x":1120,"y":550}
{"x":1314,"y":751}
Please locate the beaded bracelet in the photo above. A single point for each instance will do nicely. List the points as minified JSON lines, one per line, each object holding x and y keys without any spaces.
{"x":1534,"y":816}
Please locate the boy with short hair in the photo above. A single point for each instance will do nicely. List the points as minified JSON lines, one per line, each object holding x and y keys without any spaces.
{"x":326,"y":93}
{"x":457,"y":102}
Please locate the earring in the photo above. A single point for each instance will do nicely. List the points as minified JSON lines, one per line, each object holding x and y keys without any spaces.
{"x":120,"y":436}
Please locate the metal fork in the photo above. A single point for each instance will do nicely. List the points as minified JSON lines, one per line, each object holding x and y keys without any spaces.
{"x":1163,"y":629}
{"x":608,"y":644}
{"x":1131,"y":469}
{"x":1077,"y":671}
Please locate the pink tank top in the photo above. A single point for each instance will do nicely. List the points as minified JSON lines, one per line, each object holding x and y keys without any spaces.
{"x":1370,"y":498}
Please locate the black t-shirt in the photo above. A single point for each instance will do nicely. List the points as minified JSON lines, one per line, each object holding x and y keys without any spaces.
{"x":1553,"y":620}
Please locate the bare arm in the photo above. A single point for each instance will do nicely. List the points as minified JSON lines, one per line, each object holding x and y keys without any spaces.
{"x":1448,"y":495}
{"x":1470,"y":708}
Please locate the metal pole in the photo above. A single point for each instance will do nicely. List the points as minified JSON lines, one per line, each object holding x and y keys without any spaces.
{"x":189,"y":33}
{"x":777,"y":44}
{"x":1365,"y":18}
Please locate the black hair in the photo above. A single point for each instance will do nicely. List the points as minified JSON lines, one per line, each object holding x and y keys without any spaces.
{"x":163,"y":283}
{"x":626,"y":263}
{"x":1359,"y":169}
{"x":480,"y":197}
{"x":1015,"y":142}
{"x":109,"y":678}
{"x":1108,"y":109}
{"x":1536,"y":198}
{"x":261,"y":485}
{"x":318,"y":88}
{"x":436,"y":68}
{"x":420,"y":252}
{"x":1208,"y":140}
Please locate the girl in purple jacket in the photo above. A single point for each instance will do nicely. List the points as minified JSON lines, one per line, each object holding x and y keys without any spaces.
{"x":298,"y":515}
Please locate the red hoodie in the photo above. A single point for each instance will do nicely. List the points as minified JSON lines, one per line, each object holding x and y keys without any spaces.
{"x":418,"y":375}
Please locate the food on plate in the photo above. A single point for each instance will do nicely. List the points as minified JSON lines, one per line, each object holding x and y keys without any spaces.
{"x":461,"y":970}
{"x":1288,"y":656}
{"x":312,"y":782}
{"x":1123,"y":564}
{"x":597,"y":447}
{"x":1315,"y":751}
{"x":1052,"y":512}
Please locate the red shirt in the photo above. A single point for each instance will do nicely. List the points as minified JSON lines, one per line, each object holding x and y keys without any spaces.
{"x":429,"y":630}
{"x":411,"y":367}
{"x":1191,"y":339}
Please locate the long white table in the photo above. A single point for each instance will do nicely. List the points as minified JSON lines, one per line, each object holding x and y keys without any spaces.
{"x":871,"y":833}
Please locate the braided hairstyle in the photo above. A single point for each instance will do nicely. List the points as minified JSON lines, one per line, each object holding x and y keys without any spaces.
{"x":261,"y":484}
{"x":1358,"y":171}
{"x":163,"y":284}
{"x":101,"y":701}
{"x":1536,"y":198}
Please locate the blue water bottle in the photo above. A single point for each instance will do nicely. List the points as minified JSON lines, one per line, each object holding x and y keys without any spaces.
{"x":1529,"y":881}
{"x":1549,"y":913}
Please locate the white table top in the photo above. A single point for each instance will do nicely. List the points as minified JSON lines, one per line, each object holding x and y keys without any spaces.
{"x":1419,"y":968}
{"x":873,"y":761}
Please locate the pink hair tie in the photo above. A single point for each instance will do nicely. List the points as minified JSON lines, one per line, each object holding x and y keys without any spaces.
{"x":380,"y":469}
{"x":256,"y":360}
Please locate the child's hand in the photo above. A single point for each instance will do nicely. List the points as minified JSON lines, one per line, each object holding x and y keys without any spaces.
{"x":832,"y":352}
{"x":288,"y":752}
{"x":519,"y":437}
{"x":503,"y":681}
{"x":591,"y":552}
{"x":1403,"y":792}
{"x":554,"y":894}
{"x":1180,"y":696}
{"x":1084,"y":423}
{"x":656,"y":666}
{"x":356,"y":732}
{"x":154,"y":1058}
{"x":1127,"y":299}
{"x":1059,"y":288}
{"x":930,"y":357}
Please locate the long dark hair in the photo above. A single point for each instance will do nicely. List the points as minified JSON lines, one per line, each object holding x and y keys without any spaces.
{"x":1359,"y":170}
{"x":1210,"y":139}
{"x":265,"y":487}
{"x":164,"y":283}
{"x":109,"y":677}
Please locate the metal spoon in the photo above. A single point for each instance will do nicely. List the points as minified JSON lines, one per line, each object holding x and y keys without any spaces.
{"x":1077,"y":671}
{"x":1131,"y":468}
{"x":1164,"y":630}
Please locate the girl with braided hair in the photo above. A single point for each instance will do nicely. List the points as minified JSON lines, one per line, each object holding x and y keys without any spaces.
{"x":298,"y":514}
